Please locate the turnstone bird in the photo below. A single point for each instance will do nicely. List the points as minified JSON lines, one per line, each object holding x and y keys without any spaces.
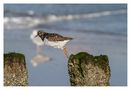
{"x":50,"y":39}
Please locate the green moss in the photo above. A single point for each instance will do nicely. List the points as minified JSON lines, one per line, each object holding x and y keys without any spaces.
{"x":102,"y":61}
{"x":83,"y":57}
{"x":14,"y":57}
{"x":80,"y":57}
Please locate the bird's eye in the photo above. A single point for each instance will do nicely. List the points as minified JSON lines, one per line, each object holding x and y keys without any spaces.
{"x":39,"y":32}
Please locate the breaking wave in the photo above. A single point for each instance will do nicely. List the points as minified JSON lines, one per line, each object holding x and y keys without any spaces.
{"x":30,"y":19}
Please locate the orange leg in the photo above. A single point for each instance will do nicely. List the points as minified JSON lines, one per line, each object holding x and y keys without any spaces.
{"x":65,"y":52}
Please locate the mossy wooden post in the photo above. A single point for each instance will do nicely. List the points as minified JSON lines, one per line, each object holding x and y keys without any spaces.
{"x":15,"y":71}
{"x":87,"y":70}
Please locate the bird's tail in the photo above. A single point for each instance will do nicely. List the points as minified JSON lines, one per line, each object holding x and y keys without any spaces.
{"x":69,"y":38}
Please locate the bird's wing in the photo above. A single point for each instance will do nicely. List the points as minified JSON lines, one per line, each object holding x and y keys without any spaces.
{"x":56,"y":37}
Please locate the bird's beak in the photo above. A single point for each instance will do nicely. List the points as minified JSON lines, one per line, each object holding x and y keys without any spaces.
{"x":36,"y":35}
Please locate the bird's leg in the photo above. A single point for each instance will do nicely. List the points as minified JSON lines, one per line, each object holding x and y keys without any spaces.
{"x":38,"y":49}
{"x":65,"y":52}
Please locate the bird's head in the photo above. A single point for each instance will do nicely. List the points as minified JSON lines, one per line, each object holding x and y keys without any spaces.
{"x":36,"y":33}
{"x":40,"y":33}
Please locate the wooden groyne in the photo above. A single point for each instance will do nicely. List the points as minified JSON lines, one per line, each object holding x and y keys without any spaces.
{"x":15,"y":70}
{"x":88,"y":70}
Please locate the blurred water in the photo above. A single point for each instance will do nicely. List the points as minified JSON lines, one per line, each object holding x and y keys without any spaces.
{"x":97,"y":29}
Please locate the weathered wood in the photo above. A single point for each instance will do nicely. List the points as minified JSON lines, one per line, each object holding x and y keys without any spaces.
{"x":87,"y":70}
{"x":15,"y":71}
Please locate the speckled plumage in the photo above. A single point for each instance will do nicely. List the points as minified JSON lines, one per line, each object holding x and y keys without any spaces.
{"x":52,"y":36}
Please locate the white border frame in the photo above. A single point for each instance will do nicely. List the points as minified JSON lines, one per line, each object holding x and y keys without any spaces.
{"x":2,"y":2}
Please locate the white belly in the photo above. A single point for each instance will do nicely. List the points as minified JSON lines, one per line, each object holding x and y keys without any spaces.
{"x":56,"y":44}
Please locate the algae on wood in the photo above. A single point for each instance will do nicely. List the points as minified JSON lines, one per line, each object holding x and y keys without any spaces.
{"x":87,"y":70}
{"x":15,"y":71}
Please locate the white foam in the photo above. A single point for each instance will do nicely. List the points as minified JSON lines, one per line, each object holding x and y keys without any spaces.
{"x":29,"y":22}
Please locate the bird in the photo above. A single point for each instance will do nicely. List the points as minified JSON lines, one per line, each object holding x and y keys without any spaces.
{"x":54,"y":40}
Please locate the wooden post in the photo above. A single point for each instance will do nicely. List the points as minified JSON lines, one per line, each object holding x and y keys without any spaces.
{"x":87,"y":70}
{"x":15,"y":71}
